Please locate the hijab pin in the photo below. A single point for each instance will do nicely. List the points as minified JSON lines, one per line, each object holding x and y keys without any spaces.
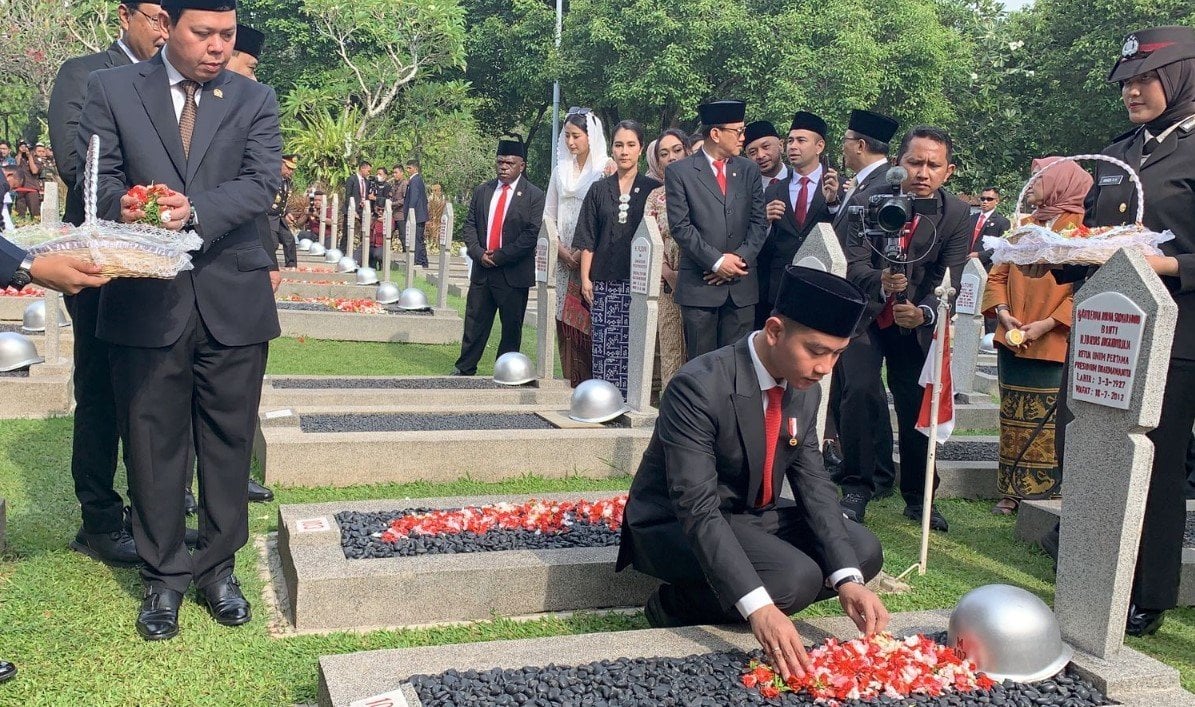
{"x":792,"y":432}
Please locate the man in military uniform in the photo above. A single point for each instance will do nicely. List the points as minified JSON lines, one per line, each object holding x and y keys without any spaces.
{"x":280,"y":220}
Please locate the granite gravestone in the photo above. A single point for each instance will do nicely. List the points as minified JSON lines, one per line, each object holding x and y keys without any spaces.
{"x":968,"y":331}
{"x":1124,"y":321}
{"x":409,"y":239}
{"x":545,"y":311}
{"x":335,"y":219}
{"x":350,"y":227}
{"x":821,"y":251}
{"x":50,"y":216}
{"x":647,"y":264}
{"x":446,"y":225}
{"x":321,"y":219}
{"x":387,"y":239}
{"x":366,"y":232}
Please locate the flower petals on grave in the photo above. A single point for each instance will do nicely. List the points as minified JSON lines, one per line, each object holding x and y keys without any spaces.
{"x":537,"y":516}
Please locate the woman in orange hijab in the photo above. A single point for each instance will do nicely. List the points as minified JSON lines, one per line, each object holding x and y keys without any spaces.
{"x":1034,"y":317}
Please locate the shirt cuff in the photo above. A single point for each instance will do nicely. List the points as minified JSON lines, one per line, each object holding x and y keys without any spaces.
{"x":755,"y":600}
{"x":840,"y":575}
{"x":717,"y":264}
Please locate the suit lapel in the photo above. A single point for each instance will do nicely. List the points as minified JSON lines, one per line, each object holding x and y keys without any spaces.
{"x":510,"y":229}
{"x":211,"y":113}
{"x":1162,"y":151}
{"x":748,"y":407}
{"x":707,"y":178}
{"x":154,"y":90}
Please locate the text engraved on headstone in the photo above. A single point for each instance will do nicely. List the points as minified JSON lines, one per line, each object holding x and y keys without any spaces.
{"x":1106,"y":339}
{"x":640,"y":266}
{"x":968,"y":294}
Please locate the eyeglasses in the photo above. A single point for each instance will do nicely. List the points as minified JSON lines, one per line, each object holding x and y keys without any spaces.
{"x":737,"y":131}
{"x":624,"y":205}
{"x":154,"y":20}
{"x":987,"y":198}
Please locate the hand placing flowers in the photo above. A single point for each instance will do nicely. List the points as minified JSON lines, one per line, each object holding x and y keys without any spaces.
{"x":155,"y":205}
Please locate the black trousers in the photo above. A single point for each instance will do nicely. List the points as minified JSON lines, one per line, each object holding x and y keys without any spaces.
{"x":420,"y":246}
{"x":883,"y":467}
{"x":164,"y":396}
{"x":783,"y":551}
{"x":96,"y":440}
{"x":481,"y":304}
{"x":287,"y":240}
{"x":864,"y":405}
{"x":375,"y":258}
{"x":710,"y":328}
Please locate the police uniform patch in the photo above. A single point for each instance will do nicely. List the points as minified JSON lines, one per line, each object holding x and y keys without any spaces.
{"x":1111,"y":179}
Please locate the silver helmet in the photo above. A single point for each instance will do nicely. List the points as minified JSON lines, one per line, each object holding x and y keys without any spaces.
{"x":34,"y":319}
{"x":988,"y":343}
{"x":596,"y":401}
{"x":367,"y":276}
{"x":17,"y":352}
{"x":305,"y":244}
{"x":1010,"y":634}
{"x":387,"y":293}
{"x":317,"y":249}
{"x":346,"y":264}
{"x":333,"y":255}
{"x":513,"y":368}
{"x":412,"y":299}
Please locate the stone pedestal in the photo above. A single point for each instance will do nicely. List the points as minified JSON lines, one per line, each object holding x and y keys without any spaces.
{"x":646,"y":266}
{"x":968,"y":331}
{"x":545,"y":312}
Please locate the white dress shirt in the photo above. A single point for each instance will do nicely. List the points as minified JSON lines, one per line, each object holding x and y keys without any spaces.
{"x":766,"y":181}
{"x":510,"y":195}
{"x":177,"y":94}
{"x":758,"y":598}
{"x":128,"y":52}
{"x":794,"y":188}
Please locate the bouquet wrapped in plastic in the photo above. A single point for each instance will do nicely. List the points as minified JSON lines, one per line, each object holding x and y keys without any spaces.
{"x":1032,"y":244}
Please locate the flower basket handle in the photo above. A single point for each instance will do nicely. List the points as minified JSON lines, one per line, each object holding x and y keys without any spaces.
{"x":1075,"y":158}
{"x":91,"y":174}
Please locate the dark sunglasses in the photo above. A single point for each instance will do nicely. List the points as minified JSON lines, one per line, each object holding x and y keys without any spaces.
{"x":987,"y":198}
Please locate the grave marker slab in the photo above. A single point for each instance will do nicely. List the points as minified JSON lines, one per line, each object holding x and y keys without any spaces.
{"x":1108,"y":457}
{"x":335,"y":217}
{"x":447,"y":222}
{"x":387,"y":239}
{"x":323,"y":218}
{"x":647,"y":264}
{"x":821,"y":251}
{"x":968,"y":331}
{"x":366,"y":232}
{"x":409,"y":239}
{"x":546,"y":294}
{"x":350,"y":227}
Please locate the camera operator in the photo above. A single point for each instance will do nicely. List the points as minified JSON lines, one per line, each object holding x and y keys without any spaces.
{"x":898,"y":269}
{"x":28,"y":201}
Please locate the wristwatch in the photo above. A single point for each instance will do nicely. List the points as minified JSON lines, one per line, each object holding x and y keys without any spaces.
{"x":855,"y":577}
{"x":22,"y":276}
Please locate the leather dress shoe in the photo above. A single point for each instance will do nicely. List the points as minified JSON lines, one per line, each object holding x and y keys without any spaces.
{"x":657,"y":616}
{"x":157,"y":619}
{"x":854,"y":506}
{"x":883,"y":492}
{"x":191,"y":537}
{"x":190,"y":505}
{"x":937,"y":521}
{"x":1144,"y":622}
{"x":225,"y":602}
{"x":115,"y":549}
{"x":259,"y":493}
{"x":458,"y":372}
{"x":8,"y":671}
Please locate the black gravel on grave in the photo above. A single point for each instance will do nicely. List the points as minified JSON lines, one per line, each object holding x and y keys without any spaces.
{"x":357,"y":531}
{"x":394,"y":309}
{"x":423,"y":422}
{"x":709,"y":680}
{"x":317,"y":307}
{"x":990,"y":370}
{"x":445,"y":383}
{"x":19,"y":373}
{"x":962,"y":449}
{"x":1189,"y":535}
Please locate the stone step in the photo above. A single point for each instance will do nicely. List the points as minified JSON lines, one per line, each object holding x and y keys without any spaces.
{"x":326,"y":591}
{"x":12,"y":309}
{"x":345,"y":291}
{"x":325,"y":391}
{"x":1036,"y":518}
{"x":45,"y":392}
{"x":345,"y":277}
{"x":444,"y":326}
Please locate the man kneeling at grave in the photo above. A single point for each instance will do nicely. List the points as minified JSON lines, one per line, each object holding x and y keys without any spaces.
{"x":705,"y":514}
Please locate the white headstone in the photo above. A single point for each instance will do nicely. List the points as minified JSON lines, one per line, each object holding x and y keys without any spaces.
{"x":387,"y":239}
{"x":350,"y":227}
{"x":366,"y":231}
{"x":647,"y":264}
{"x":322,"y":218}
{"x":545,"y":305}
{"x":50,"y":215}
{"x":821,"y":251}
{"x":968,"y":331}
{"x":335,"y":217}
{"x":409,"y":239}
{"x":1108,"y":458}
{"x":447,"y":222}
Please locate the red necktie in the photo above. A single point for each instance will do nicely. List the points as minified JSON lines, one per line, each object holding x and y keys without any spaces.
{"x":978,"y":228}
{"x":772,"y":181}
{"x":495,"y":241}
{"x":720,"y":174}
{"x":802,"y":205}
{"x":771,"y":436}
{"x":885,"y":318}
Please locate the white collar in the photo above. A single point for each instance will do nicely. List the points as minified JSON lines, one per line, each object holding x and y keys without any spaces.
{"x":814,"y":177}
{"x":866,"y":171}
{"x":128,"y":52}
{"x":987,"y":214}
{"x":513,"y":185}
{"x":172,"y":74}
{"x":780,"y":175}
{"x":765,"y":379}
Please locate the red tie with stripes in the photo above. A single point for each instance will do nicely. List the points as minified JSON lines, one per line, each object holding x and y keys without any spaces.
{"x":771,"y":434}
{"x":495,"y":239}
{"x":802,"y":205}
{"x":720,"y":174}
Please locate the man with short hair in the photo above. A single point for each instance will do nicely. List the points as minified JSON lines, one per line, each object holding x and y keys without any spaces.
{"x":246,"y":53}
{"x":416,"y":201}
{"x":500,"y":233}
{"x":356,"y":188}
{"x":188,"y":354}
{"x":987,"y":222}
{"x":898,"y":326}
{"x":716,"y":214}
{"x":762,"y":145}
{"x":398,"y":197}
{"x":103,"y":534}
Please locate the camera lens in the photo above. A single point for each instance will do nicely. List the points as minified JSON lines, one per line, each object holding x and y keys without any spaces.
{"x":892,"y":215}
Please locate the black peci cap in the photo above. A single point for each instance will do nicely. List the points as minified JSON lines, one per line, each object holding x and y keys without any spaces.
{"x":758,"y":129}
{"x":820,"y":300}
{"x":722,"y":112}
{"x":209,"y":5}
{"x":511,"y":145}
{"x":249,"y":41}
{"x":873,"y":125}
{"x":1153,"y":48}
{"x":804,"y":120}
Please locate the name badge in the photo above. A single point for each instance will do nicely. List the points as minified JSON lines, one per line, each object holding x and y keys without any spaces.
{"x":1111,"y":179}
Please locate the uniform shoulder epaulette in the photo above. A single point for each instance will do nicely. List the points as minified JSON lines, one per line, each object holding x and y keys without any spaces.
{"x":1187,"y":125}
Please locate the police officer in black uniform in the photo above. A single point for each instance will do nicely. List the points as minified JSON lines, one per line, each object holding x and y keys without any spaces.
{"x":279,"y":220}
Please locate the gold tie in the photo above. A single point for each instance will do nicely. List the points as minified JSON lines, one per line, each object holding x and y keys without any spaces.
{"x":186,"y":121}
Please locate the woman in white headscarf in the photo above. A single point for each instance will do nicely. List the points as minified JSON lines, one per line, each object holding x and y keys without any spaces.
{"x":581,"y":159}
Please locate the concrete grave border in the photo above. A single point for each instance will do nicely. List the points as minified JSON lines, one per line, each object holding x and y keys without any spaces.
{"x":538,"y":392}
{"x":442,"y":327}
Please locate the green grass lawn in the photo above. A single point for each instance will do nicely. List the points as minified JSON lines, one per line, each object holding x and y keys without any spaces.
{"x":68,"y":622}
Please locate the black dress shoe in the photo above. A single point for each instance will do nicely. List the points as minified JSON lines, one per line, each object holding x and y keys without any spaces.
{"x":459,"y":372}
{"x":190,"y":505}
{"x":854,"y":506}
{"x":1144,"y":622}
{"x":937,"y":521}
{"x":882,"y":493}
{"x":225,"y":602}
{"x":259,"y":493}
{"x":657,"y":616}
{"x":8,"y":671}
{"x":113,"y":549}
{"x":157,"y":619}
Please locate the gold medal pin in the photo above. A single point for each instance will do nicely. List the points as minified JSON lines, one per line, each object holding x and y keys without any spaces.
{"x":218,"y":93}
{"x":792,"y":432}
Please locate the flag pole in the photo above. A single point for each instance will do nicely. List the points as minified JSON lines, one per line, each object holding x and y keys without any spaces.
{"x":944,"y":292}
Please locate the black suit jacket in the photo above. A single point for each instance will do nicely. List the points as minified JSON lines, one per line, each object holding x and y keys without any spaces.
{"x":10,"y":259}
{"x":230,"y":178}
{"x":1168,"y":179}
{"x":66,"y":101}
{"x":784,"y":236}
{"x":996,"y":225}
{"x":515,"y":260}
{"x":352,"y":190}
{"x":705,"y":463}
{"x":876,"y":176}
{"x":416,"y":198}
{"x":941,"y":241}
{"x":705,"y":224}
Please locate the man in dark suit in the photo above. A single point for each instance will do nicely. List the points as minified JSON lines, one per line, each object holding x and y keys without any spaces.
{"x":356,"y":188}
{"x":416,"y":200}
{"x":500,"y":234}
{"x":715,"y":209}
{"x":188,"y":354}
{"x":794,"y":205}
{"x":898,"y":326}
{"x":761,"y":144}
{"x":705,"y":513}
{"x":987,"y":222}
{"x":95,"y":441}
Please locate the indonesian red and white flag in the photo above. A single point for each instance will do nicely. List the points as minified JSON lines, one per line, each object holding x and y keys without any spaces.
{"x":945,"y":392}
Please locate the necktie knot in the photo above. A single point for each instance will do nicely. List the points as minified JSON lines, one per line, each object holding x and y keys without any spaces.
{"x":804,"y":181}
{"x":719,"y":164}
{"x":190,"y":87}
{"x":775,"y":395}
{"x":505,"y":187}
